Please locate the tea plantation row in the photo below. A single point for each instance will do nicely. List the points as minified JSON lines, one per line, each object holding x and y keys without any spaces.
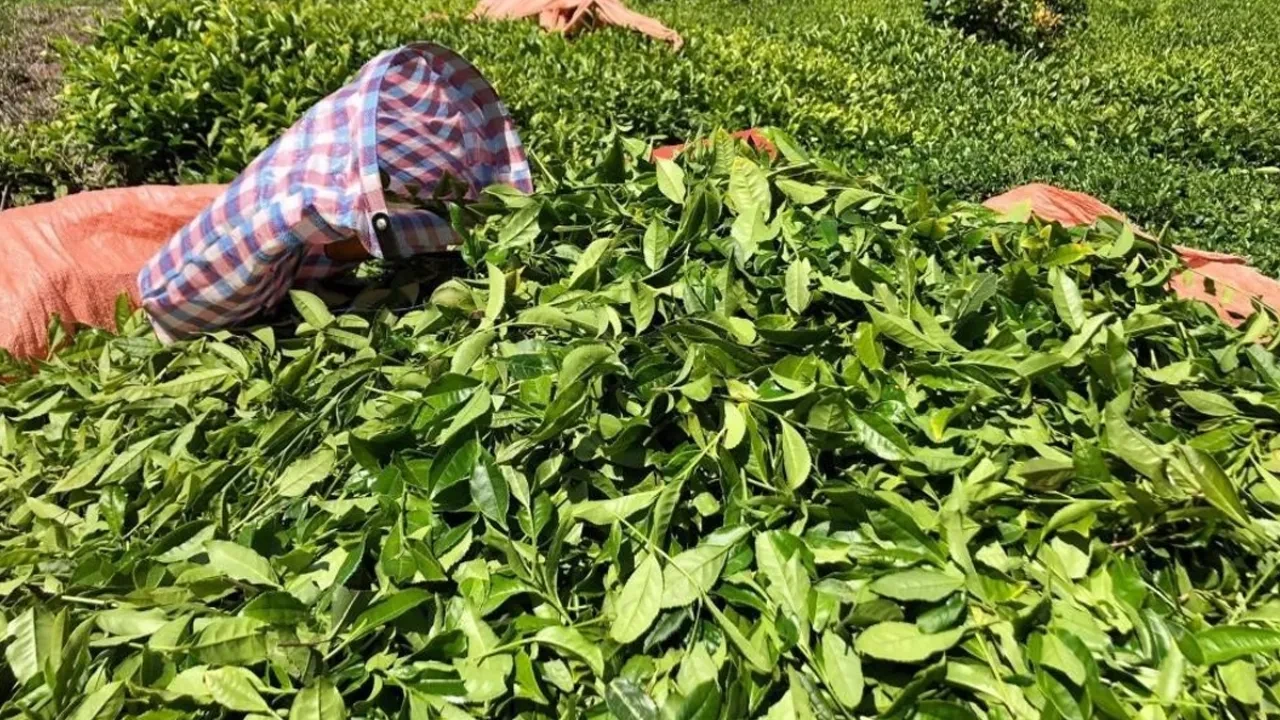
{"x":1165,"y":109}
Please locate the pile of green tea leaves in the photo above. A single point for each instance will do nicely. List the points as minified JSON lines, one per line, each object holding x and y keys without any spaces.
{"x":718,"y":438}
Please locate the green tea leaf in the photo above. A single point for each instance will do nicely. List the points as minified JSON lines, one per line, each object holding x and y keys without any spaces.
{"x":639,"y":602}
{"x":694,"y":572}
{"x":527,"y":685}
{"x":1240,"y":678}
{"x":470,"y":350}
{"x":628,"y":701}
{"x":797,"y":283}
{"x":1214,"y":483}
{"x":569,"y":640}
{"x":522,"y":227}
{"x":795,"y":456}
{"x":748,"y":187}
{"x":607,"y":512}
{"x":128,"y":462}
{"x":703,"y":703}
{"x":1066,"y":299}
{"x":904,"y":642}
{"x":942,"y":710}
{"x":1131,"y":446}
{"x":590,"y":259}
{"x":1068,"y":254}
{"x":671,"y":181}
{"x":1230,"y":642}
{"x":581,"y":360}
{"x":750,"y":229}
{"x":85,"y":471}
{"x":1072,"y":512}
{"x":1209,"y":403}
{"x":657,"y":242}
{"x":387,"y":610}
{"x":735,"y":426}
{"x":105,"y":703}
{"x":302,"y":474}
{"x":24,"y":653}
{"x":788,"y":581}
{"x":320,"y":701}
{"x":235,"y":688}
{"x":842,"y":670}
{"x":311,"y":308}
{"x":843,"y":288}
{"x":754,"y":657}
{"x":231,"y":641}
{"x":477,"y":406}
{"x":1082,"y":338}
{"x":1169,"y":679}
{"x":919,"y":584}
{"x":489,"y":491}
{"x":1122,"y":245}
{"x":879,"y":437}
{"x":240,"y":563}
{"x":854,"y":197}
{"x":801,"y":193}
{"x":1058,"y":697}
{"x":276,"y":608}
{"x":901,"y":331}
{"x":127,"y":622}
{"x":644,"y":303}
{"x":497,"y":296}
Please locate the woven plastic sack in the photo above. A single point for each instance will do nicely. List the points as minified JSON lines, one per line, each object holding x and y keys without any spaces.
{"x":1225,"y":282}
{"x":74,"y":256}
{"x":570,"y":16}
{"x":412,"y":120}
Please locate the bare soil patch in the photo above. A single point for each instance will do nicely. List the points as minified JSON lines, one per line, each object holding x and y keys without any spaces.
{"x":29,"y":69}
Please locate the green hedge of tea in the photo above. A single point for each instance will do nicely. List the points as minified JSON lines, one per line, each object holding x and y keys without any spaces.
{"x":1037,"y":25}
{"x":1164,"y":109}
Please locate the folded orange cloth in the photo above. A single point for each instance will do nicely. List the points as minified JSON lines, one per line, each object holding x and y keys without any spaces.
{"x":74,"y":256}
{"x":1226,"y":282}
{"x":570,"y":16}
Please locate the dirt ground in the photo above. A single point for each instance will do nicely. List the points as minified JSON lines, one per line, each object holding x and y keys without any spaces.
{"x":29,"y":70}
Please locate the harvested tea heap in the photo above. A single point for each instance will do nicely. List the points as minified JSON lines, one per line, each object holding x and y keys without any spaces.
{"x":711,"y":438}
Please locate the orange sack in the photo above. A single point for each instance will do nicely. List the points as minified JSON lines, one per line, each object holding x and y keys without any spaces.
{"x":570,"y":16}
{"x":1225,"y":282}
{"x":76,"y":255}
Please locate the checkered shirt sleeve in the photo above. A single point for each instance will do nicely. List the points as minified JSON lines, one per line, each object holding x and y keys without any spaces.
{"x":408,"y":120}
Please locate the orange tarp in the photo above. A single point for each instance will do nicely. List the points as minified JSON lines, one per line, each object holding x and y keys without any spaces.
{"x":570,"y":16}
{"x":75,"y":256}
{"x":1226,"y":282}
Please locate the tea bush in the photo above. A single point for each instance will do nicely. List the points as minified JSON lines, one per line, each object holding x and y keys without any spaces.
{"x":43,"y":162}
{"x":1033,"y":24}
{"x":1166,"y":110}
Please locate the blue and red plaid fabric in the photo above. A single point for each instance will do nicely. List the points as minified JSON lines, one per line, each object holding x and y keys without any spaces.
{"x":410,"y":118}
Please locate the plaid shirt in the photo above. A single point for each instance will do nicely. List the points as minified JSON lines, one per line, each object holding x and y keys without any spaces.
{"x":409,"y":118}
